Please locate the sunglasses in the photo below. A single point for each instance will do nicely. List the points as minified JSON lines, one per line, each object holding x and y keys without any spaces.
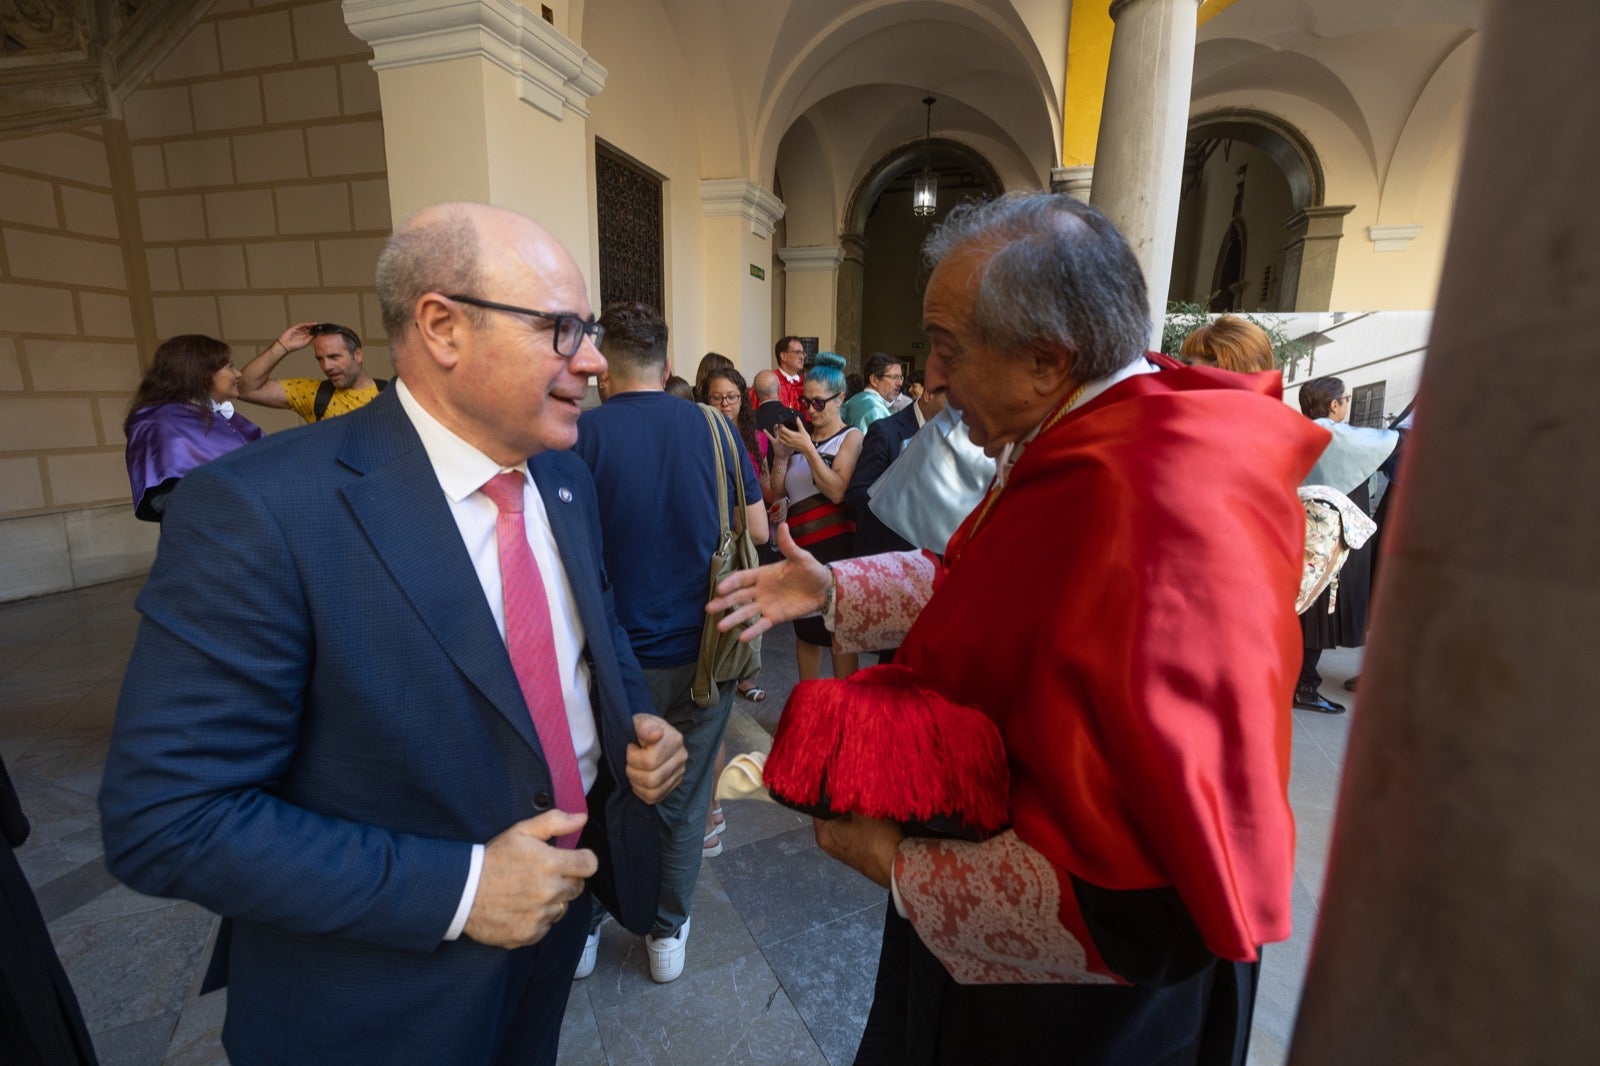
{"x":322,"y":329}
{"x":818,"y":405}
{"x":569,"y":329}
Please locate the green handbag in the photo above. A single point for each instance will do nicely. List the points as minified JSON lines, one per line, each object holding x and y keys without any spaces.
{"x":724,"y":658}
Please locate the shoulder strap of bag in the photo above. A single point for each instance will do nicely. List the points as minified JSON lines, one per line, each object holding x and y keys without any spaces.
{"x":324,"y":396}
{"x":719,"y":431}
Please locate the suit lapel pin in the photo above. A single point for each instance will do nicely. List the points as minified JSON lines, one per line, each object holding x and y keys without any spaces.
{"x":564,"y":494}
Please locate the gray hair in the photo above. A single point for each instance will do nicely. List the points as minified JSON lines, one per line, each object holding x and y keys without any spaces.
{"x":1060,"y":274}
{"x":432,"y":251}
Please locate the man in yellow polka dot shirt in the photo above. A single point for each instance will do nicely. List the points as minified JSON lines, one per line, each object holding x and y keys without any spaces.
{"x":344,"y":387}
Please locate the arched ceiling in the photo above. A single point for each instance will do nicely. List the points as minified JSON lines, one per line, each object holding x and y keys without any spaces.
{"x":1370,"y":63}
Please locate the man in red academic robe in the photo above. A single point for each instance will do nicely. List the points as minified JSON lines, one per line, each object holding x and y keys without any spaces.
{"x":1121,"y":605}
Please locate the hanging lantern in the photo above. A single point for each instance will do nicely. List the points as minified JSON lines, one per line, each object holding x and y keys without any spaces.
{"x":925,"y":191}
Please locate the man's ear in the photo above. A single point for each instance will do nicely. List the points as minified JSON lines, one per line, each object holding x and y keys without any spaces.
{"x":1052,"y":367}
{"x":441,"y":327}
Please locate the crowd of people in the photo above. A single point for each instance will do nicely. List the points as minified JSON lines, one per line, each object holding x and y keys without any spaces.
{"x":413,"y":702}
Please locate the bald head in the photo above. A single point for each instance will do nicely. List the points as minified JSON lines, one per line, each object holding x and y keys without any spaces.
{"x":765,"y":386}
{"x":491,"y":375}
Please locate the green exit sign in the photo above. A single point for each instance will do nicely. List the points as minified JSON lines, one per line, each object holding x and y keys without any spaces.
{"x":757,"y":273}
{"x":917,"y":346}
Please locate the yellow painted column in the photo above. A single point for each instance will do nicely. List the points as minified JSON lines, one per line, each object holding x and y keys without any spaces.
{"x":1083,"y":95}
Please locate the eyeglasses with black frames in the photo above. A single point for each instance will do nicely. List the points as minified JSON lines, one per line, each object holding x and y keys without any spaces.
{"x":819,"y":404}
{"x":569,"y":329}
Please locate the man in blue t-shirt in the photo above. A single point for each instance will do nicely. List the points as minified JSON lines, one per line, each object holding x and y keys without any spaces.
{"x":654,"y":467}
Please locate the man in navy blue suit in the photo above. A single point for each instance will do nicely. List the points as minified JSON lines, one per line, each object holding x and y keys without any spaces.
{"x":379,"y":657}
{"x":886,"y":439}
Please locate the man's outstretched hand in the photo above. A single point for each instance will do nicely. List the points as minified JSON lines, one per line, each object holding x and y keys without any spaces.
{"x":779,"y":592}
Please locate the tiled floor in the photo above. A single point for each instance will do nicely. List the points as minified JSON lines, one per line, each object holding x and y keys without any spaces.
{"x":783,"y":947}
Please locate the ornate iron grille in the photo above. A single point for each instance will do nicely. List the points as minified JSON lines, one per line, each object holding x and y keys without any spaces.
{"x":628,"y":200}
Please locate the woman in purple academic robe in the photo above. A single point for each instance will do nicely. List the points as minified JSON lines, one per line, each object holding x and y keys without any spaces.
{"x":182,"y":416}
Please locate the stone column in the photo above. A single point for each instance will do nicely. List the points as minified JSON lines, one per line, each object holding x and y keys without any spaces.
{"x":1076,"y":182}
{"x":740,"y":217}
{"x":1461,"y":916}
{"x":484,"y":100}
{"x":811,"y":273}
{"x":852,"y":289}
{"x":1310,"y":257}
{"x":1138,"y":166}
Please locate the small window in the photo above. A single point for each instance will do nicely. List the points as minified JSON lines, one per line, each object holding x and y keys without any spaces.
{"x":1366,"y":405}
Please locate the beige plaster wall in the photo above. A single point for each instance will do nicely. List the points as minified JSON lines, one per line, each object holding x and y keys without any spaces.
{"x":647,"y":110}
{"x":1364,"y":277}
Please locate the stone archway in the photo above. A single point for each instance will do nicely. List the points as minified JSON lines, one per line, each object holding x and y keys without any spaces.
{"x":964,"y":172}
{"x":1312,"y":228}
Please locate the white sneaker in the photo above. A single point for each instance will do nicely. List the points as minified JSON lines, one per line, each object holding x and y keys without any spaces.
{"x":591,"y":955}
{"x":667,"y":953}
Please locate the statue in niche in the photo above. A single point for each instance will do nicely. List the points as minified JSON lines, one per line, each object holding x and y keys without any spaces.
{"x":39,"y":26}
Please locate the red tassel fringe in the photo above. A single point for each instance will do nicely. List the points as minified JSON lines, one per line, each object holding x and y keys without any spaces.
{"x":882,"y":746}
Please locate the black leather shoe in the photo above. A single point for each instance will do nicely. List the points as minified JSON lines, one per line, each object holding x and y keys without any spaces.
{"x":1312,"y":700}
{"x":1350,"y":686}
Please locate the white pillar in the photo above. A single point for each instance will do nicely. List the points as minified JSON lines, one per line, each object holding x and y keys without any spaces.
{"x":1461,"y":916}
{"x":740,"y":217}
{"x":811,"y":274}
{"x":1138,"y":165}
{"x":484,"y":100}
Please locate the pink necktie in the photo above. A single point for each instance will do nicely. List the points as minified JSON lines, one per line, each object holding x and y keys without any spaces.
{"x":531,"y":643}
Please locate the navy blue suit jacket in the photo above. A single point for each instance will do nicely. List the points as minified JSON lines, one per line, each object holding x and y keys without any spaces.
{"x":320,"y":719}
{"x":886,"y":439}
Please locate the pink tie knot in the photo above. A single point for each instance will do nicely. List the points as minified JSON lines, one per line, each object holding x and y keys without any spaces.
{"x":506,"y":491}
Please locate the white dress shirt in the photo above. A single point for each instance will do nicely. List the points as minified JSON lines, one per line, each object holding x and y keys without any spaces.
{"x":462,"y":470}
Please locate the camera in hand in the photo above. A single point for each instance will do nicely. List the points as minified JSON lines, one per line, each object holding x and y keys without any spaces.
{"x":773,"y":413}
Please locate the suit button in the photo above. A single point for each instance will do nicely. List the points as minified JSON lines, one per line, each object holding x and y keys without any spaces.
{"x":542,"y":801}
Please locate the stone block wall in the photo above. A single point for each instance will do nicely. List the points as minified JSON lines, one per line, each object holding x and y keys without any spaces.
{"x":244,"y":188}
{"x":260,"y":182}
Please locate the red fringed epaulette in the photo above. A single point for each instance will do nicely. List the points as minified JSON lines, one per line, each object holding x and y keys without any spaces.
{"x":880,"y":745}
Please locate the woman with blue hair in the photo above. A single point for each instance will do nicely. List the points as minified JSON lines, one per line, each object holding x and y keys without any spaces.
{"x":810,"y":471}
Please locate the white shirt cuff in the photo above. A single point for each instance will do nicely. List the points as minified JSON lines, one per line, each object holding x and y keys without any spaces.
{"x":468,"y":894}
{"x":894,"y":894}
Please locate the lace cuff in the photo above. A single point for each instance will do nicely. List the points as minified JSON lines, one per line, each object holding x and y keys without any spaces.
{"x":878,"y":597}
{"x":993,"y":912}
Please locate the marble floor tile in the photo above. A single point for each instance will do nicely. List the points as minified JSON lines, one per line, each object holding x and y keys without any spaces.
{"x":141,"y":1043}
{"x":752,"y":820}
{"x":197,"y":1039}
{"x":785,"y":885}
{"x":828,"y":973}
{"x":717,"y":935}
{"x":134,"y":967}
{"x":735,"y":1013}
{"x":580,"y":1033}
{"x":74,"y":889}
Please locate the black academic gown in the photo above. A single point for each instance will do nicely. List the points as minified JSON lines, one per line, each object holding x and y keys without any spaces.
{"x":40,"y":1023}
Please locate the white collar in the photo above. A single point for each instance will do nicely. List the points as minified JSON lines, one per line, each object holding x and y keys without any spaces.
{"x":785,"y":375}
{"x":225,"y":408}
{"x":461,"y":468}
{"x":917,"y":407}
